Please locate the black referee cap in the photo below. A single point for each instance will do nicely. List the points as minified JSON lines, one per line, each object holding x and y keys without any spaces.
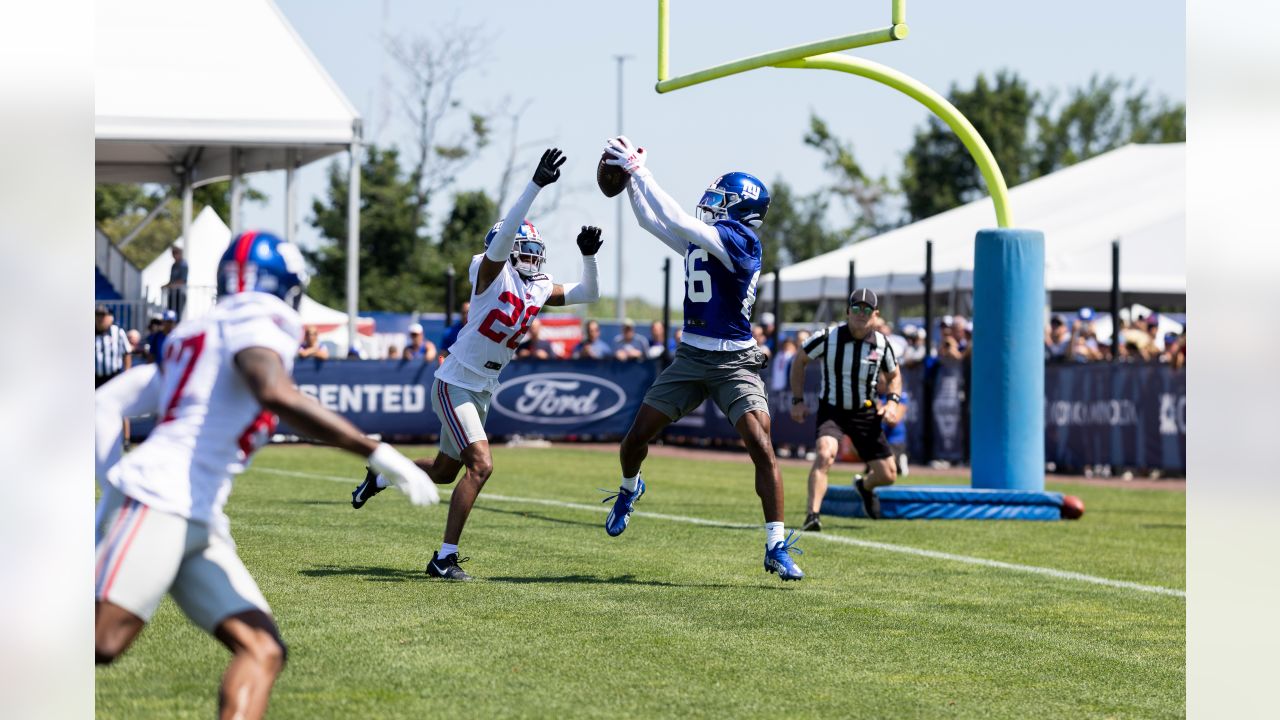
{"x":863,"y":296}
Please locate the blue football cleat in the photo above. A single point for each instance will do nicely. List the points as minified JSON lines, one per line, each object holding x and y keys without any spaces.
{"x":777,"y":559}
{"x":624,"y":502}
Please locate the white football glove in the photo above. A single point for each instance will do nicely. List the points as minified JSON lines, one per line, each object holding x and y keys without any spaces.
{"x":624,"y":154}
{"x":401,"y":472}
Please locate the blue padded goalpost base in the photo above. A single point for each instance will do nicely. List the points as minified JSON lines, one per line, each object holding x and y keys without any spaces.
{"x":947,"y":502}
{"x":1006,"y":420}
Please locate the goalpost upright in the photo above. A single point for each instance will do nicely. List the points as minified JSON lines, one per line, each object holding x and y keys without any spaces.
{"x":1007,"y":421}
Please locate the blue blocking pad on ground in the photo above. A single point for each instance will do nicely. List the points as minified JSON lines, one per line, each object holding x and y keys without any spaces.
{"x":923,"y":502}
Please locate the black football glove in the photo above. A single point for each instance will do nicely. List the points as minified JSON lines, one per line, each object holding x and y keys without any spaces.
{"x":589,"y":241}
{"x":549,"y":167}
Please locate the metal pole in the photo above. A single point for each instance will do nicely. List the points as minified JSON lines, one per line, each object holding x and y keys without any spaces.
{"x":1115,"y":300}
{"x":666,"y":306}
{"x":291,"y":196}
{"x":927,"y":400}
{"x":187,"y":203}
{"x":853,"y":280}
{"x":622,"y":297}
{"x":237,"y":190}
{"x":777,"y":307}
{"x":353,"y":240}
{"x":449,"y":277}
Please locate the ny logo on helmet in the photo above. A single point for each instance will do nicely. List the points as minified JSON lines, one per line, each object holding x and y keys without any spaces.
{"x":750,"y":190}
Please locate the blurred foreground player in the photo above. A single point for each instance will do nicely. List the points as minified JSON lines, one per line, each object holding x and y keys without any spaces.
{"x":218,"y":391}
{"x":717,"y":356}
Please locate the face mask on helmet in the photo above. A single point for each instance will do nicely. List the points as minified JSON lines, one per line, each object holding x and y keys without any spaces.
{"x":528,"y":256}
{"x":736,"y":196}
{"x":713,"y":206}
{"x":528,"y":253}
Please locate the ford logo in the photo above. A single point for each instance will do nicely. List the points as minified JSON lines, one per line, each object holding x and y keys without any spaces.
{"x":559,"y":398}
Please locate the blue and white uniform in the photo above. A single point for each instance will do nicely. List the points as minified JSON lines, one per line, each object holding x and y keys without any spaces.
{"x":717,"y":356}
{"x":718,"y":298}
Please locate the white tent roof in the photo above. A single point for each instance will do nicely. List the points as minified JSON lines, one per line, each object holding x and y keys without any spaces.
{"x":1136,"y":194}
{"x":210,"y":238}
{"x":191,"y":79}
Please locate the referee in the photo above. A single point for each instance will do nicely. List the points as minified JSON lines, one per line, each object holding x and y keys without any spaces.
{"x":853,"y":356}
{"x":111,"y":347}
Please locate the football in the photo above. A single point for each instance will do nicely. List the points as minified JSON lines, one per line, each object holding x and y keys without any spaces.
{"x":611,"y":178}
{"x":1072,"y":507}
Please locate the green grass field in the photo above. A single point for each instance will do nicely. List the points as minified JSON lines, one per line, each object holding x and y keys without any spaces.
{"x":675,"y":618}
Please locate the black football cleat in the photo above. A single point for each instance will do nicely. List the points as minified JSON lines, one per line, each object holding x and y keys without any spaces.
{"x":446,"y":568}
{"x":870,"y":503}
{"x":366,"y":489}
{"x":812,"y":523}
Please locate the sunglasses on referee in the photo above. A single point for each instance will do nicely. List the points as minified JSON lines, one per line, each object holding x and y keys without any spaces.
{"x":861,"y":309}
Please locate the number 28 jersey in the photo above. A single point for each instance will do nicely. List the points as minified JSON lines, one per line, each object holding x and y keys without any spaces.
{"x":499,"y":319}
{"x":208,"y":423}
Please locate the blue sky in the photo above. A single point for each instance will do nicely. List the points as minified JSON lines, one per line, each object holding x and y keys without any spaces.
{"x":559,"y":58}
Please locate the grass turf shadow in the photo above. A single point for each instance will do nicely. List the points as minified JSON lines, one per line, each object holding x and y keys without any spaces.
{"x":617,"y":580}
{"x":385,"y":574}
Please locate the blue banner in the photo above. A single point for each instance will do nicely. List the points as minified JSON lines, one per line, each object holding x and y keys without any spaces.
{"x":1126,"y":416}
{"x":566,"y":399}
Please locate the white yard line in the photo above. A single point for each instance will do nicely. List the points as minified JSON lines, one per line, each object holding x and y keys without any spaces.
{"x":824,"y":537}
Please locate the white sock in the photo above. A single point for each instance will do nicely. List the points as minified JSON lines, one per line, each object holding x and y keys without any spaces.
{"x":631,"y":483}
{"x":381,"y":481}
{"x":773,"y":534}
{"x":446,"y":550}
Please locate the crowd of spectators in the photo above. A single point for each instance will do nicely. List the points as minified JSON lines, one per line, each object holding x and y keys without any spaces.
{"x":1067,"y":339}
{"x":1075,"y":340}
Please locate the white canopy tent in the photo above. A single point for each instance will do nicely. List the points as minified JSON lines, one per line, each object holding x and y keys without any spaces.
{"x":210,"y":238}
{"x":1135,"y":194}
{"x":201,"y":90}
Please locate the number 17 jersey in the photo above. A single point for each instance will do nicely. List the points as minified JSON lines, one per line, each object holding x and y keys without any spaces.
{"x":498,"y":321}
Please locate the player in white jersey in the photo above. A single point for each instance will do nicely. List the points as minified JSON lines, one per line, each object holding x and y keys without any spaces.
{"x":222,"y":382}
{"x":508,"y":290}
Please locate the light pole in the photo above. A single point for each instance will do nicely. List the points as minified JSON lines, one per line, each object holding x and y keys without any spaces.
{"x":622,"y":298}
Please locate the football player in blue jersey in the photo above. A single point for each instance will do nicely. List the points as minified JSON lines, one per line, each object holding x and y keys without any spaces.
{"x":717,"y":357}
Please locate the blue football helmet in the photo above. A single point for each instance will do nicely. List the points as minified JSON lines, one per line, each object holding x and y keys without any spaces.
{"x":735,"y":196}
{"x":528,"y":253}
{"x":262,"y":262}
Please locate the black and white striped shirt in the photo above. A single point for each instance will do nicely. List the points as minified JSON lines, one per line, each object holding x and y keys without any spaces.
{"x":109,"y":349}
{"x":850,"y":366}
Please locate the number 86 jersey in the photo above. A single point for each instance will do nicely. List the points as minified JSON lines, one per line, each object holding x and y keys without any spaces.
{"x":498,"y":321}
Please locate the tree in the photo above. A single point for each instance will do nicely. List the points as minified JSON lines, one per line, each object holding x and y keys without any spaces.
{"x":939,"y":172}
{"x":119,"y":208}
{"x":1102,"y":116}
{"x":795,"y":228}
{"x":447,"y":137}
{"x":394,"y":272}
{"x":864,"y":197}
{"x":462,"y":236}
{"x":401,"y":270}
{"x":1030,"y":134}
